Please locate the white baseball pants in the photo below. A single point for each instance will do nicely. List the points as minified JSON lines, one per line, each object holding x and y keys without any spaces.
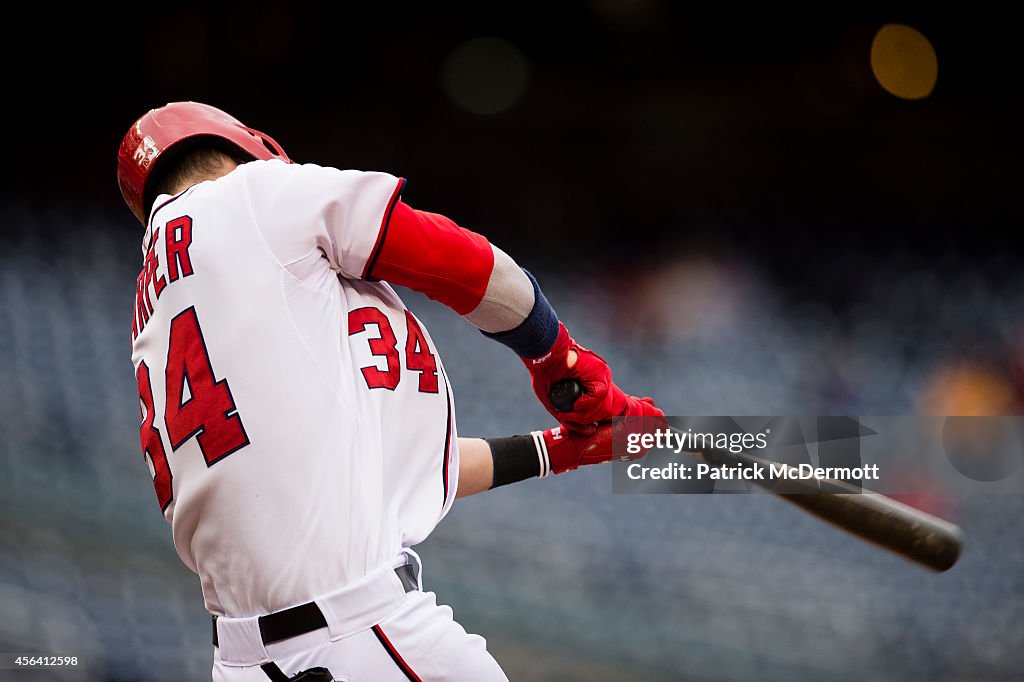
{"x":376,"y":632}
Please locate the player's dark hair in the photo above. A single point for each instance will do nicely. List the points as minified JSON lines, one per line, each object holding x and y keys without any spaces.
{"x":196,"y":157}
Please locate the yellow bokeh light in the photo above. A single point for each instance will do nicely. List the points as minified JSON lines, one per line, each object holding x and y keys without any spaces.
{"x":904,"y":62}
{"x":967,"y":390}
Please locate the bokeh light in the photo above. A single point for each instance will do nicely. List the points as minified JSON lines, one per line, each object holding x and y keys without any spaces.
{"x":904,"y":61}
{"x":967,"y":390}
{"x":485,"y":75}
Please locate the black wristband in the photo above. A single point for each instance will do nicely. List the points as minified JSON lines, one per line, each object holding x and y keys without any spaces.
{"x":517,"y":458}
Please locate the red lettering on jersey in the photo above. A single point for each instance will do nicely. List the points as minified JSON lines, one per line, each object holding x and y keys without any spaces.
{"x":152,"y":263}
{"x":147,"y":277}
{"x":209,"y":410}
{"x":152,"y":445}
{"x":384,"y":346}
{"x":140,"y":315}
{"x":179,"y":239}
{"x":140,"y":301}
{"x":418,"y":357}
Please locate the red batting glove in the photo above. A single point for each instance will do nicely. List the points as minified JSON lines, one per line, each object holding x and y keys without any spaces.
{"x":567,"y":450}
{"x":601,"y":399}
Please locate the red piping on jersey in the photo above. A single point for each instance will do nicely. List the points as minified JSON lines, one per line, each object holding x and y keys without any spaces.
{"x":429,"y":253}
{"x":447,"y":439}
{"x":395,"y":656}
{"x":382,"y":231}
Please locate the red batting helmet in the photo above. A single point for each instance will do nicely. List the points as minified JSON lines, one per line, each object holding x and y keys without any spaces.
{"x":161,"y":129}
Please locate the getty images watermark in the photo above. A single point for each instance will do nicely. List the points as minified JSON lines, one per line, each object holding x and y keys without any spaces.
{"x":894,"y":455}
{"x":712,"y":445}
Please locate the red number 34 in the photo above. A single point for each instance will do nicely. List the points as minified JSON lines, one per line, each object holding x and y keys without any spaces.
{"x":196,"y":405}
{"x":417,"y":354}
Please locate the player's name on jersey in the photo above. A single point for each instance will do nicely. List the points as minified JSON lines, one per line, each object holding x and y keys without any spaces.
{"x":703,"y":471}
{"x":155,"y":278}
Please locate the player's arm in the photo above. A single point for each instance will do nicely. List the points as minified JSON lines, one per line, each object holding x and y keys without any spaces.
{"x":357,"y":221}
{"x":476,"y":467}
{"x":430,"y":253}
{"x":493,"y":462}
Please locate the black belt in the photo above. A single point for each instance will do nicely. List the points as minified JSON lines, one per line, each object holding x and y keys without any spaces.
{"x":307,"y":617}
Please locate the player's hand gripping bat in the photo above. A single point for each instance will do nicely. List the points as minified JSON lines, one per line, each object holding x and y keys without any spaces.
{"x":913,"y":534}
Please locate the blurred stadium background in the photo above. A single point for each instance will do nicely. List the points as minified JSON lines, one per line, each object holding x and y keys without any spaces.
{"x":744,"y":214}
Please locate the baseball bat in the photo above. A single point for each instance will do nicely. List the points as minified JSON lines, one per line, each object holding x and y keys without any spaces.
{"x":909,"y":532}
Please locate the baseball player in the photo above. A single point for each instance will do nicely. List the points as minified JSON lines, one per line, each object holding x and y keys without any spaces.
{"x":296,"y":417}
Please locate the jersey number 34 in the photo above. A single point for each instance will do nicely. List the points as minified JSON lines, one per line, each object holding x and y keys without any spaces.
{"x":195,"y":405}
{"x":418,"y":357}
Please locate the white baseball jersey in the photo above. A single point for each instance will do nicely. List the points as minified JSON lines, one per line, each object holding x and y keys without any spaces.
{"x":297,"y":420}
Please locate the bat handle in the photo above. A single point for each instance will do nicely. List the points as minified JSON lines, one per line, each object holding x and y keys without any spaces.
{"x":563,"y":394}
